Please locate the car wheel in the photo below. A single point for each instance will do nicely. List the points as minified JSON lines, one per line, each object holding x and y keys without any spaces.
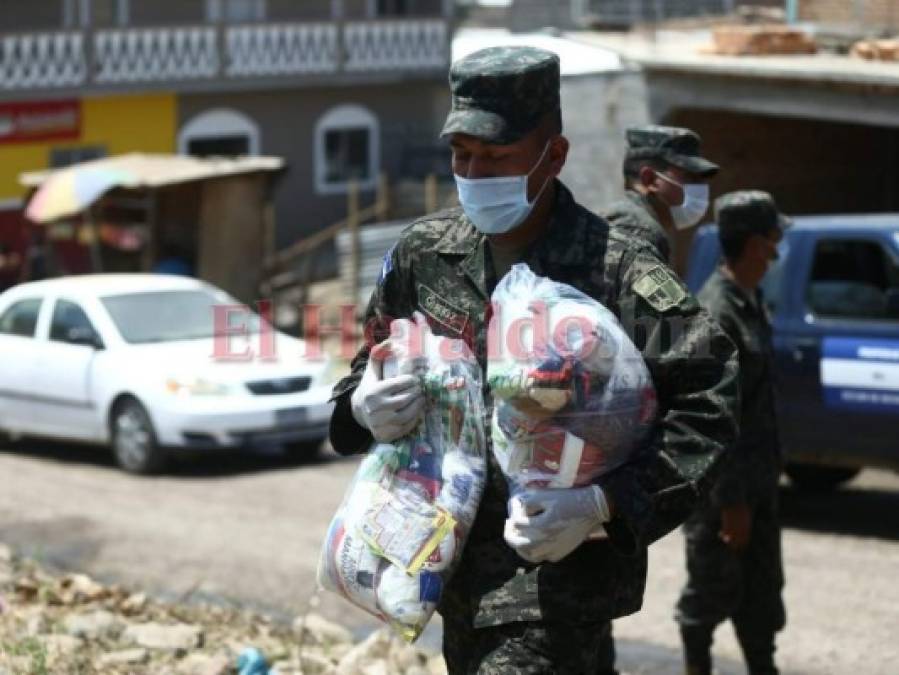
{"x":304,"y":450}
{"x":813,"y":478}
{"x":134,"y":441}
{"x":7,"y":440}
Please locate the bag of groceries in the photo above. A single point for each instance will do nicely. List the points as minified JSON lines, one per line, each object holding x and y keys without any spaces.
{"x":572,"y":394}
{"x":400,"y":530}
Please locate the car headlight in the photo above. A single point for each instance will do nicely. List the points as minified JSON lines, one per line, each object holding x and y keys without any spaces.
{"x":195,"y":387}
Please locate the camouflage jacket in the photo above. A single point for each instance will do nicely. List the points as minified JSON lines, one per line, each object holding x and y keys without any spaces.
{"x":635,"y":217}
{"x":440,"y":266}
{"x":750,"y":469}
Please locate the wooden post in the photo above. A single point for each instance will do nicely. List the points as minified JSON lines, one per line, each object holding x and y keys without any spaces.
{"x":352,"y":221}
{"x":382,"y":204}
{"x":268,"y":225}
{"x":431,"y":196}
{"x":148,"y":259}
{"x":96,"y":256}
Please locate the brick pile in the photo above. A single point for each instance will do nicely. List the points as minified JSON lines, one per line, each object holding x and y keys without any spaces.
{"x":876,"y":50}
{"x":760,"y":40}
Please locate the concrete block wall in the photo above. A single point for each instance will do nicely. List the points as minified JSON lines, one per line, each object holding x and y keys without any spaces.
{"x":875,"y":13}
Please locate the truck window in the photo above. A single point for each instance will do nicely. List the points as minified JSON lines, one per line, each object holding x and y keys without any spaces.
{"x":772,"y":282}
{"x":851,"y":278}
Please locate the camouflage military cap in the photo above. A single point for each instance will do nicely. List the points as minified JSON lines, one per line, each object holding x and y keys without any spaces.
{"x":502,"y":93}
{"x":752,"y":211}
{"x":679,"y":147}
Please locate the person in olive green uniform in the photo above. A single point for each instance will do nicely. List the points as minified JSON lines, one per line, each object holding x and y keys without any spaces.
{"x":666,"y":186}
{"x":508,"y":608}
{"x":733,"y":543}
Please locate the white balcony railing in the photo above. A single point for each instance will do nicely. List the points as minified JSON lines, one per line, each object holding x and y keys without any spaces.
{"x":282,"y":49}
{"x":389,"y":45}
{"x":42,"y":61}
{"x":157,"y":54}
{"x":123,"y":56}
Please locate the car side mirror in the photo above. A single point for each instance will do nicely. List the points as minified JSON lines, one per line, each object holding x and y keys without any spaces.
{"x":892,"y":297}
{"x":82,"y":335}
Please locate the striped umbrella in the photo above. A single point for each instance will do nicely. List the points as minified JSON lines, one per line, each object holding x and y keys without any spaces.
{"x":70,"y":191}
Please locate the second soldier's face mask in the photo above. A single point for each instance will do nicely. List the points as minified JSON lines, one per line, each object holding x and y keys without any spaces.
{"x":694,"y":206}
{"x":498,"y":205}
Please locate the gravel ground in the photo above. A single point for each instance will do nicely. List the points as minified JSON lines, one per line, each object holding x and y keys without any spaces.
{"x":246,"y":530}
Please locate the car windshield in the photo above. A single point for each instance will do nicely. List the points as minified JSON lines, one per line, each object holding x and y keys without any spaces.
{"x":167,"y":316}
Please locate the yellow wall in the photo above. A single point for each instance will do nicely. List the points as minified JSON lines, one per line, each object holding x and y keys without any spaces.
{"x":144,"y":123}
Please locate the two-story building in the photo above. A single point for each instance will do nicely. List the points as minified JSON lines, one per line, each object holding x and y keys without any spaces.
{"x":341,"y":89}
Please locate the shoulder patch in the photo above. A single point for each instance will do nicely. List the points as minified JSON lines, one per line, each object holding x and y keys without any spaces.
{"x":660,"y":289}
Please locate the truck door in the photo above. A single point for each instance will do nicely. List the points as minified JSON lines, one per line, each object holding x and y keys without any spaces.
{"x":838,"y":355}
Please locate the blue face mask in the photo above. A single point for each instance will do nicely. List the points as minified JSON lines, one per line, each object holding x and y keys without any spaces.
{"x":497,"y":205}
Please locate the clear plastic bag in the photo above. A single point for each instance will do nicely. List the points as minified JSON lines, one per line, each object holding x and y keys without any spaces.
{"x":400,"y":530}
{"x":572,"y":394}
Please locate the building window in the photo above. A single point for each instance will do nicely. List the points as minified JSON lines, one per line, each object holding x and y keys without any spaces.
{"x":104,"y":13}
{"x":391,"y":7}
{"x":347,"y":148}
{"x":220,"y":132}
{"x":60,"y":157}
{"x":235,"y":11}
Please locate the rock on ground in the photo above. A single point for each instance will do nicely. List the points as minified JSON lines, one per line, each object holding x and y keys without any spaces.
{"x":99,"y":624}
{"x":178,"y":637}
{"x":123,"y":657}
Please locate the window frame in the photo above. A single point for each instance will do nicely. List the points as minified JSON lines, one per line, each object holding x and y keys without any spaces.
{"x":220,"y":123}
{"x":56,"y":303}
{"x":843,"y":238}
{"x":37,"y":319}
{"x":345,"y":118}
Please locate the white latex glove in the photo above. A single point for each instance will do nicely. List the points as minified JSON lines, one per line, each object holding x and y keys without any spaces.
{"x":549,"y":524}
{"x":389,"y":408}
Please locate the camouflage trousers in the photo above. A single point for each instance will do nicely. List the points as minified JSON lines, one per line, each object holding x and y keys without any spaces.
{"x":744,"y":587}
{"x":529,"y":648}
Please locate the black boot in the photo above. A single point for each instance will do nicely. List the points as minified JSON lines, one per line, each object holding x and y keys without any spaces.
{"x":697,"y":641}
{"x":758,"y":651}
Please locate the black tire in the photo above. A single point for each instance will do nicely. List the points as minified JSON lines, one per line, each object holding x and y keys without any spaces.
{"x":134,"y":443}
{"x":304,"y":450}
{"x":814,"y":478}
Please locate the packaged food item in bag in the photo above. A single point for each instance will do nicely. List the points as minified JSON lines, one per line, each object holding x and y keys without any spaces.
{"x":400,"y":530}
{"x":572,"y":394}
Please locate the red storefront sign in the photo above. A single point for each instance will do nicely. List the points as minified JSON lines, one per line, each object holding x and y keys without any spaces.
{"x":39,"y":121}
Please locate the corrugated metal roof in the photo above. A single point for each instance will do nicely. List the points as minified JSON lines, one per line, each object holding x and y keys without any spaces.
{"x":152,"y":171}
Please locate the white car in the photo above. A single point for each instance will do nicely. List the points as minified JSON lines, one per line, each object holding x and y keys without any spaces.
{"x":133,"y":361}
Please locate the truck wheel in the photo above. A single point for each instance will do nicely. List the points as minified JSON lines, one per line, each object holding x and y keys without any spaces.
{"x":814,"y":478}
{"x":133,"y":439}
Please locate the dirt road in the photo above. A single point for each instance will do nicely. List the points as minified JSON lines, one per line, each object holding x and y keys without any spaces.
{"x":248,"y":530}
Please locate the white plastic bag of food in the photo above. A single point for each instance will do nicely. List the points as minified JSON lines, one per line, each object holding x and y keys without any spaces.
{"x":572,"y":394}
{"x":395,"y":539}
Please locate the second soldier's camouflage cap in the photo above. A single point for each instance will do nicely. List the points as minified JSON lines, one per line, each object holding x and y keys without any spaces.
{"x":752,"y":211}
{"x":674,"y":145}
{"x":502,"y":93}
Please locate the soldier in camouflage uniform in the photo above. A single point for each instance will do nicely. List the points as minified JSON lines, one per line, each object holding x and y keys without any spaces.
{"x":666,"y":184}
{"x":503,"y":613}
{"x":733,"y":542}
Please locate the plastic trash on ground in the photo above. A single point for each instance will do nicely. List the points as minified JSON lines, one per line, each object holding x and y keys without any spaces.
{"x":572,"y":394}
{"x":395,"y":539}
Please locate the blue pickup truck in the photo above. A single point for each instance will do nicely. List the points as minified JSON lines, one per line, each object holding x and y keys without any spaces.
{"x":834,"y":302}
